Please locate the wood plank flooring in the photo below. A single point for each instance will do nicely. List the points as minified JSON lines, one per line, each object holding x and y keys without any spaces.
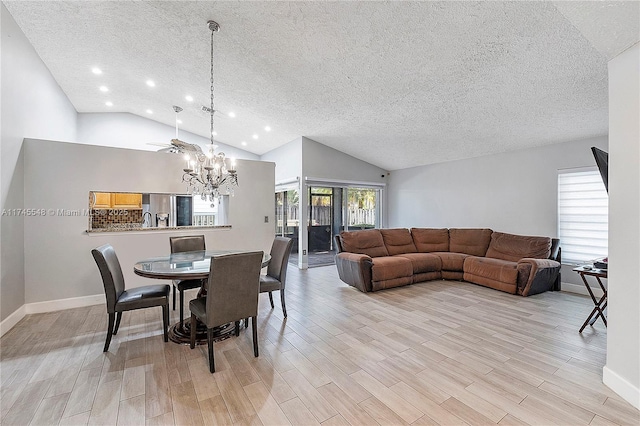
{"x":443,"y":352}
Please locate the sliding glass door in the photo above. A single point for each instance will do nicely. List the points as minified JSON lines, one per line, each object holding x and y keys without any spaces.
{"x":330,"y":209}
{"x":288,"y":216}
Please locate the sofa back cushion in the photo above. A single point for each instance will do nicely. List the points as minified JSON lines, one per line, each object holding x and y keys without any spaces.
{"x":367,"y":242}
{"x":469,"y":241}
{"x":398,"y":241}
{"x":515,"y":247}
{"x":428,"y":240}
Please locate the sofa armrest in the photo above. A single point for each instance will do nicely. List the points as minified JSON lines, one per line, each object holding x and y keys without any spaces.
{"x":542,"y":276}
{"x":355,"y":270}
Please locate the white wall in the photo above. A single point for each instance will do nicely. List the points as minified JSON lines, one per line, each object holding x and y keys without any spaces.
{"x":512,"y":192}
{"x":33,"y":105}
{"x":288,"y":159}
{"x":124,"y":130}
{"x":622,"y":372}
{"x":58,"y":261}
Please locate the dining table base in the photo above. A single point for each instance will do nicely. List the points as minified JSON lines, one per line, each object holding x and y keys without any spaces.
{"x":181,"y":334}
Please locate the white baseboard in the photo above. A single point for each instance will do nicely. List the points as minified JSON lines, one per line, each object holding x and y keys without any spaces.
{"x":580,"y":289}
{"x":49,"y":306}
{"x":8,"y":323}
{"x":60,"y":304}
{"x":622,"y":387}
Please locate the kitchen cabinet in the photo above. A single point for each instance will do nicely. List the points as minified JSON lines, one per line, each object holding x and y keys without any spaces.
{"x":101,"y":200}
{"x":117,"y":200}
{"x":126,"y":200}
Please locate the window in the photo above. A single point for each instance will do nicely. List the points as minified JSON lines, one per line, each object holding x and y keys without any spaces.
{"x":207,"y":213}
{"x":583,"y":216}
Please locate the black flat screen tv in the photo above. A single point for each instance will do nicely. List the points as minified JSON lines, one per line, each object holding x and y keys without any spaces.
{"x":602,"y":160}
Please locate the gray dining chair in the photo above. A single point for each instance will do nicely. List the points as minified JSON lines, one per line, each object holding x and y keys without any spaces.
{"x":181,"y":245}
{"x":119,"y":299}
{"x":276,"y":276}
{"x":232,"y":295}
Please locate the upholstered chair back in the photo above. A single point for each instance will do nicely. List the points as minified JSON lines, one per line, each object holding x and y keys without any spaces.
{"x":189,"y":243}
{"x":280,"y":251}
{"x":233,"y":287}
{"x":112,"y":278}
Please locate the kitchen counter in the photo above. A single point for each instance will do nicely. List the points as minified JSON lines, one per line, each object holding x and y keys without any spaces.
{"x":152,"y":229}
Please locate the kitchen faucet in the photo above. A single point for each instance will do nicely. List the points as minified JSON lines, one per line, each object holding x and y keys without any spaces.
{"x":146,"y":220}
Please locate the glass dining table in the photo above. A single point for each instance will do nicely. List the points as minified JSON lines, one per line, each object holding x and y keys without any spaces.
{"x":189,"y":266}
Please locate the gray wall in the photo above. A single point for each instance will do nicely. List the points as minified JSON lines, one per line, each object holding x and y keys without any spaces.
{"x":33,"y":105}
{"x":58,"y":262}
{"x":622,"y":371}
{"x":124,"y":130}
{"x":288,"y":159}
{"x":321,"y":161}
{"x":512,"y":192}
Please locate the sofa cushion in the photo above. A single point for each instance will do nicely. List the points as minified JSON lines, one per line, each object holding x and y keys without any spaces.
{"x":389,"y":267}
{"x":367,"y":242}
{"x":389,"y":271}
{"x":423,"y":262}
{"x":398,"y":241}
{"x":430,"y":239}
{"x":515,"y":247}
{"x":451,"y":261}
{"x":494,"y":273}
{"x":469,"y":241}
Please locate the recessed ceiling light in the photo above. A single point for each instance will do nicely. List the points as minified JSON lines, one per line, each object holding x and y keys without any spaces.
{"x":108,"y":103}
{"x":232,"y":114}
{"x":96,"y":70}
{"x":151,"y":83}
{"x":149,"y":111}
{"x":189,"y":98}
{"x":255,"y":136}
{"x":267,"y":129}
{"x":244,"y":143}
{"x":179,"y":121}
{"x":104,"y":89}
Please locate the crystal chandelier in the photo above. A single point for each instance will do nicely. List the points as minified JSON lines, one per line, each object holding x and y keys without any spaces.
{"x":210,"y":175}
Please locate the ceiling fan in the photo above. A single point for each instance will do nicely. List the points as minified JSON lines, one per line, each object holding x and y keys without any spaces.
{"x":176,"y":145}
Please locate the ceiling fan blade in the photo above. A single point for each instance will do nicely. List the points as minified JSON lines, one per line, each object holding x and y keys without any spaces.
{"x":216,"y":112}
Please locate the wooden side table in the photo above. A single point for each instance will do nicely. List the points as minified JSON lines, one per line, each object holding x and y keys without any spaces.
{"x":600,"y":305}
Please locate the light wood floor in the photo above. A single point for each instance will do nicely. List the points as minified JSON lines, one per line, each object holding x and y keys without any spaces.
{"x":433,"y":353}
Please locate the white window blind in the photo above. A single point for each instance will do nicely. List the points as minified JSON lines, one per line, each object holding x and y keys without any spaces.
{"x":583,"y":216}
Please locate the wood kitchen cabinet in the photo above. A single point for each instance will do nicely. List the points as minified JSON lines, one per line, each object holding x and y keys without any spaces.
{"x":126,"y":200}
{"x":117,"y":200}
{"x":101,"y":200}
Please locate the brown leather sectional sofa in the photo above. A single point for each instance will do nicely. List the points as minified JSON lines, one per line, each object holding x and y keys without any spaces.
{"x":378,"y":259}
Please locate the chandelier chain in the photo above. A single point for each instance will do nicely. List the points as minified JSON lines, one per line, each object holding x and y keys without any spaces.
{"x":212,"y":103}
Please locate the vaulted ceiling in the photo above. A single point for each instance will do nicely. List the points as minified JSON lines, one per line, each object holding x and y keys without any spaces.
{"x":397,"y":84}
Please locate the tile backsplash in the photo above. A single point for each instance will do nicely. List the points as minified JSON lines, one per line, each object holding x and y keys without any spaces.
{"x":103,"y":218}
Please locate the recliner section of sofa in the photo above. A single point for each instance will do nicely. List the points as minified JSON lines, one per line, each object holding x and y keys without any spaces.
{"x":379,"y":259}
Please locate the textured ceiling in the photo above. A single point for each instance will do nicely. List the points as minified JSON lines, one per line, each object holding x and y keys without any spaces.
{"x":396,"y":84}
